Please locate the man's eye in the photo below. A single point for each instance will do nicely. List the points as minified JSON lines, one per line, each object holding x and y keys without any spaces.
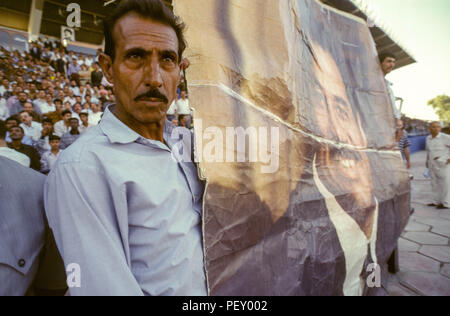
{"x":134,"y":56}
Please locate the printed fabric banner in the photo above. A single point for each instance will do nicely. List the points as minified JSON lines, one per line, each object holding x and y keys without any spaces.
{"x":294,"y":134}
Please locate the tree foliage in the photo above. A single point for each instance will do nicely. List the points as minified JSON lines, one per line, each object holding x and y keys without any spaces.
{"x":441,"y":104}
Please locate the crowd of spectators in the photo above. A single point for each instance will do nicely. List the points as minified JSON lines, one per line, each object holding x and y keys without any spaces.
{"x":50,"y":96}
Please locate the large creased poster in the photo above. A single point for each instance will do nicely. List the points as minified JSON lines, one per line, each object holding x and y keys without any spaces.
{"x":293,"y":133}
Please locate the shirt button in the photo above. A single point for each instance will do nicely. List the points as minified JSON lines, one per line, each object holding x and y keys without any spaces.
{"x":22,"y":263}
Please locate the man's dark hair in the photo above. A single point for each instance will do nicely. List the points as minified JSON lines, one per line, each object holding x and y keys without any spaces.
{"x":13,"y":118}
{"x":74,"y":119}
{"x":23,"y":131}
{"x":47,"y":120}
{"x":385,"y":55}
{"x":66,"y":112}
{"x":54,"y":137}
{"x":57,"y":100}
{"x":151,"y":9}
{"x":2,"y":130}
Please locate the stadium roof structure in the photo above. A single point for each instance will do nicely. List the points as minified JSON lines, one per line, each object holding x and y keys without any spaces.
{"x":384,"y":39}
{"x":93,"y":12}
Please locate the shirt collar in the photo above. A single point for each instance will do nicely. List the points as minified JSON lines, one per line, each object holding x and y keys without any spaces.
{"x":118,"y":132}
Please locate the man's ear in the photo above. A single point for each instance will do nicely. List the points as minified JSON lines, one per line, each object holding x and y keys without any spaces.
{"x":106,"y":64}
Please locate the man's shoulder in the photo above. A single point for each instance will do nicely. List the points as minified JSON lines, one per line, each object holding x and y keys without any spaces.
{"x":88,"y":146}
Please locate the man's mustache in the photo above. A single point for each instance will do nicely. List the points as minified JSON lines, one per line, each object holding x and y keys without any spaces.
{"x":154,"y":93}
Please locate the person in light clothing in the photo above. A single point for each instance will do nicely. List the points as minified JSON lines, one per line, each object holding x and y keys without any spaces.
{"x":438,"y":145}
{"x":388,"y":61}
{"x":50,"y":157}
{"x":118,"y":202}
{"x":183,"y":108}
{"x":32,"y":129}
{"x":9,"y":153}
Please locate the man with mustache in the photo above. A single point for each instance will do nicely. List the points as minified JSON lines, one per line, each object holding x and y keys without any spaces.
{"x":120,"y":205}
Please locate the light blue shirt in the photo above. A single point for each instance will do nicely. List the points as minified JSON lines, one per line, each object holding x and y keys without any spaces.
{"x":128,"y":214}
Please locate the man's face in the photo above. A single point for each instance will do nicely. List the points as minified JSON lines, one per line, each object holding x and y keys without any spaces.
{"x":42,"y":94}
{"x":58,"y":106}
{"x":146,"y":59}
{"x":25,"y":118}
{"x":388,"y":65}
{"x":47,"y":126}
{"x":435,"y":129}
{"x":55,"y":144}
{"x":83,"y":118}
{"x":74,"y":123}
{"x":49,"y":99}
{"x":28,"y":107}
{"x":16,"y":133}
{"x":10,"y":124}
{"x":67,"y":117}
{"x":77,"y":108}
{"x":22,"y":97}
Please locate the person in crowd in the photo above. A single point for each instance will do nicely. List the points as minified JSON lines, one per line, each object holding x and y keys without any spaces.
{"x":141,"y":37}
{"x":387,"y":61}
{"x":73,"y":71}
{"x":172,"y":111}
{"x":77,"y":108}
{"x":96,"y":75}
{"x":50,"y":157}
{"x":9,"y":153}
{"x":40,"y":102}
{"x":96,"y":114}
{"x":63,"y":126}
{"x":438,"y":162}
{"x":70,"y":137}
{"x":70,"y":98}
{"x":11,"y":122}
{"x":182,"y":120}
{"x":28,"y":107}
{"x":183,"y":108}
{"x":17,"y":134}
{"x":4,"y":111}
{"x":43,"y":144}
{"x":30,"y":261}
{"x":56,"y":116}
{"x":31,"y":128}
{"x":85,"y":75}
{"x":85,"y":125}
{"x":401,"y":136}
{"x":48,"y":106}
{"x":18,"y":106}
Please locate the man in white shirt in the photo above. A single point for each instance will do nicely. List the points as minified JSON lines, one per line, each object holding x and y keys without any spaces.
{"x":387,"y":61}
{"x":84,"y":124}
{"x":50,"y":157}
{"x":184,"y":109}
{"x":48,"y":106}
{"x":172,"y":111}
{"x":63,"y":126}
{"x":4,"y":111}
{"x":438,"y":146}
{"x":39,"y":101}
{"x":9,"y":153}
{"x":32,"y":129}
{"x":70,"y":98}
{"x":95,"y":115}
{"x":4,"y":87}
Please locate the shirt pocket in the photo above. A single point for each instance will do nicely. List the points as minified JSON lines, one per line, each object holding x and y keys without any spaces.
{"x":20,"y":254}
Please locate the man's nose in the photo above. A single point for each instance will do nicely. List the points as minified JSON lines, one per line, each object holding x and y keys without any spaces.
{"x":152,"y":73}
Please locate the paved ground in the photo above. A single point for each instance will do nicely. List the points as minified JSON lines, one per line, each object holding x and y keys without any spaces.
{"x":424,"y":246}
